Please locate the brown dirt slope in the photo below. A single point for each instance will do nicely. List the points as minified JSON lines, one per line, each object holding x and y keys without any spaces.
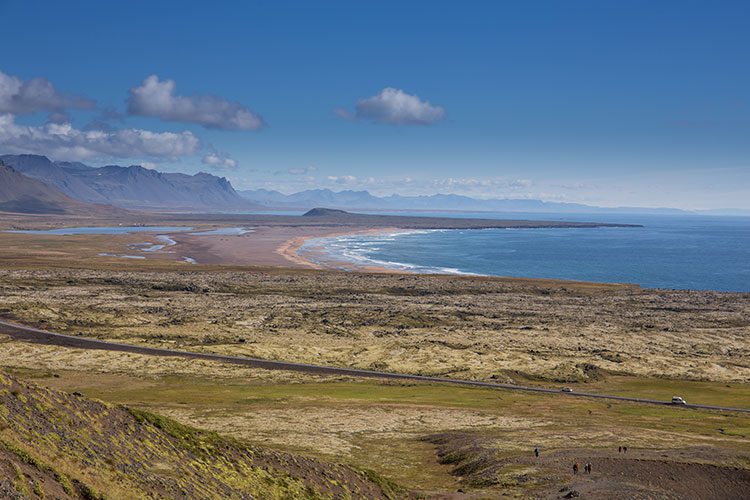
{"x":649,"y":474}
{"x":57,"y":445}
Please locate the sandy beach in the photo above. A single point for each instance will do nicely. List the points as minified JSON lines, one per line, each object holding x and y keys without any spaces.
{"x":270,"y":240}
{"x":265,"y":246}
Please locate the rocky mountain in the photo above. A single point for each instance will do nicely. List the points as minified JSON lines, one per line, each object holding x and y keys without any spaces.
{"x":53,"y":174}
{"x":22,"y":194}
{"x":142,"y":188}
{"x":133,"y":186}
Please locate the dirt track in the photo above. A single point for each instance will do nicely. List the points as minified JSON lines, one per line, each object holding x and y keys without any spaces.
{"x":37,"y":336}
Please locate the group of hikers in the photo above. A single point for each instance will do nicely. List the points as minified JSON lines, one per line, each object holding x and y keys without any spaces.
{"x":586,"y":466}
{"x":576,"y":467}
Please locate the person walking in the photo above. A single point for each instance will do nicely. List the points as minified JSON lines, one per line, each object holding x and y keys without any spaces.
{"x":575,"y":468}
{"x":619,"y":449}
{"x":536,"y":452}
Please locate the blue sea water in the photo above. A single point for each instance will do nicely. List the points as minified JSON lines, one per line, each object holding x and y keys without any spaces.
{"x":681,"y":252}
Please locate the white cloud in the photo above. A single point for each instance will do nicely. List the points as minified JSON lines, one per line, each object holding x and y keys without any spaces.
{"x":342,"y":179}
{"x":481,"y":184}
{"x":219,"y":161}
{"x":493,"y":187}
{"x":156,"y":98}
{"x":396,"y":107}
{"x":38,"y":94}
{"x":64,"y":142}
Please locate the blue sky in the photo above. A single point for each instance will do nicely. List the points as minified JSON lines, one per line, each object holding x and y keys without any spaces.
{"x":609,"y":103}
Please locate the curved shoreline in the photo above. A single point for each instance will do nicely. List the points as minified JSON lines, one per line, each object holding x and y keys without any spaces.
{"x":290,"y":251}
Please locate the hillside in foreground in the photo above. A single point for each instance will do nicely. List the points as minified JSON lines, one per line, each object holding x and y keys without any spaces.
{"x":58,"y":445}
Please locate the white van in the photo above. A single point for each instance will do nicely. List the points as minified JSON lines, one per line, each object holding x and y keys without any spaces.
{"x":677,"y":400}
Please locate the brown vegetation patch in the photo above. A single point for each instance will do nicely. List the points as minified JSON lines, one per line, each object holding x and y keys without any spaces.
{"x":477,"y":328}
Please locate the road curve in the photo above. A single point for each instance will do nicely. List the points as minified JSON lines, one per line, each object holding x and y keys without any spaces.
{"x":37,"y":336}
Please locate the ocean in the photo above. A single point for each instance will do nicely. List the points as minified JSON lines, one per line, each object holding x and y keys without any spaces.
{"x":679,"y":252}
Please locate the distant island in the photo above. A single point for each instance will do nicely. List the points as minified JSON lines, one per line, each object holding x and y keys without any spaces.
{"x":325,"y":212}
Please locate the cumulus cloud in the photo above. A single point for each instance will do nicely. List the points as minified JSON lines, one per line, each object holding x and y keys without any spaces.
{"x":157,"y":98}
{"x":219,"y":161}
{"x":395,"y":107}
{"x":65,"y":142}
{"x":38,"y":94}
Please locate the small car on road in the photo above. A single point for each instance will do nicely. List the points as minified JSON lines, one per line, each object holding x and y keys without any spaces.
{"x":567,"y":389}
{"x":677,"y":400}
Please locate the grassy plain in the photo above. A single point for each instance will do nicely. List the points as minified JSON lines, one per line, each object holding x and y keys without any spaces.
{"x":388,"y":426}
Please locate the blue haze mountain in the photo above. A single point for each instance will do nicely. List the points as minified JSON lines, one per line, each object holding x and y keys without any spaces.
{"x":142,"y":188}
{"x":363,"y":200}
{"x":133,"y":186}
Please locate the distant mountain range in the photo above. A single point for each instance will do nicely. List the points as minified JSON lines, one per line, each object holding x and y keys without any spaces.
{"x":133,"y":186}
{"x":363,"y":200}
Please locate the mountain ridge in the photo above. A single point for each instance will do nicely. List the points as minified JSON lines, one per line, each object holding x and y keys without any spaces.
{"x":137,"y":187}
{"x":133,"y":186}
{"x":364,"y":200}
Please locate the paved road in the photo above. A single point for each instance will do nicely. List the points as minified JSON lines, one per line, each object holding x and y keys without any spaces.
{"x":37,"y":336}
